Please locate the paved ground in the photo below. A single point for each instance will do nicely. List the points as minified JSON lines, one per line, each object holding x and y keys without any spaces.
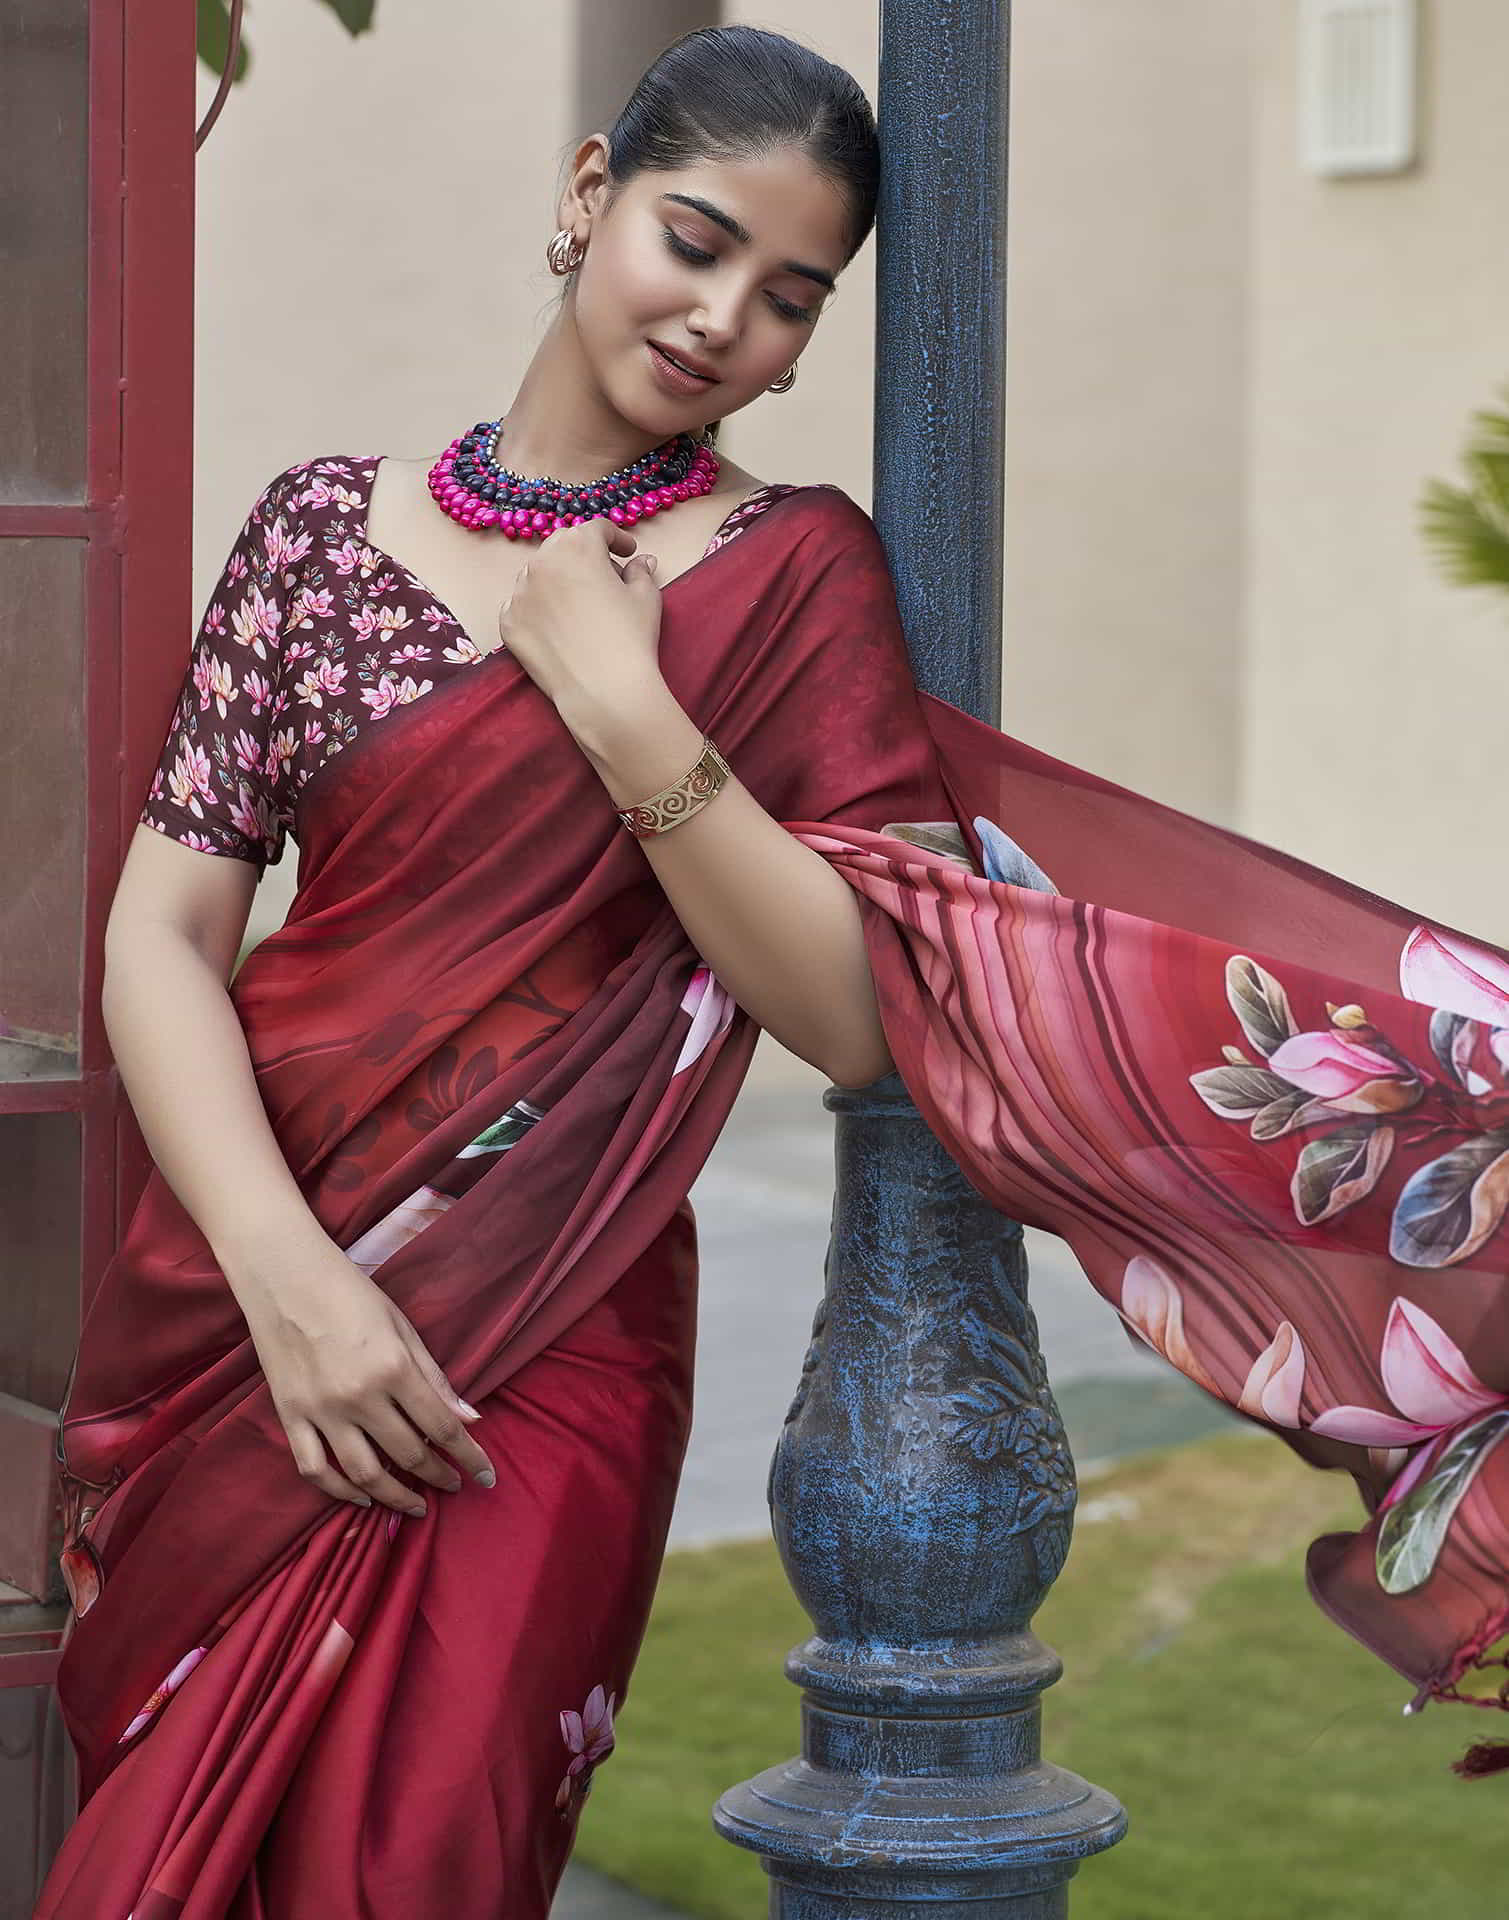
{"x":763,"y":1204}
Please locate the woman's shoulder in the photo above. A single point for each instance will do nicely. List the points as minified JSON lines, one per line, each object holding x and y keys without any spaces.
{"x":834,"y":516}
{"x":331,"y":479}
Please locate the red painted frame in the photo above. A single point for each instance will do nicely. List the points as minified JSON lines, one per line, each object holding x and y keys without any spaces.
{"x":137,"y":582}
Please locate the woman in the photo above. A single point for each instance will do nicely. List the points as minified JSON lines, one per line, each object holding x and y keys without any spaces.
{"x":569,"y":834}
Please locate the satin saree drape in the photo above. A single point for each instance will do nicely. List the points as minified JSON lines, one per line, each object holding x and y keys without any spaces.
{"x":495,"y":1065}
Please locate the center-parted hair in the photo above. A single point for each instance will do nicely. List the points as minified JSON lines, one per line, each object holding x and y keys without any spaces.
{"x":725,"y":94}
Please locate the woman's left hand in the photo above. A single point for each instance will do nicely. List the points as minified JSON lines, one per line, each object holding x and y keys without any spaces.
{"x":581,"y":628}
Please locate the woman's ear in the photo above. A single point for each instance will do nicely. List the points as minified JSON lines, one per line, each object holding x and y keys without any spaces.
{"x":584,"y":191}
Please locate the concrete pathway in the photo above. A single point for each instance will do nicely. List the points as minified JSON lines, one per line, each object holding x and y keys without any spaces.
{"x":585,"y":1895}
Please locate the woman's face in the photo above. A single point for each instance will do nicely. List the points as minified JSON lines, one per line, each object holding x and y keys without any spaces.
{"x":733,"y":283}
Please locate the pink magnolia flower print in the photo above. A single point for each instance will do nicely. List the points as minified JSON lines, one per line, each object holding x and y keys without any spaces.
{"x":711,"y":1006}
{"x":1276,"y":1380}
{"x":215,"y":680}
{"x":373,"y":622}
{"x":247,"y":751}
{"x":325,"y":679}
{"x":1357,"y":1084}
{"x":1153,"y":1307}
{"x":308,"y":605}
{"x":1470,"y":991}
{"x":351,"y":556}
{"x":1346,"y":1074}
{"x":255,"y":621}
{"x":1428,"y":1380}
{"x":589,"y":1738}
{"x":1444,"y":971}
{"x":250,"y":811}
{"x":428,"y":1202}
{"x":259,"y":692}
{"x":285,"y":549}
{"x":398,"y":1226}
{"x":1441,"y":1402}
{"x":164,"y":1692}
{"x":390,"y":692}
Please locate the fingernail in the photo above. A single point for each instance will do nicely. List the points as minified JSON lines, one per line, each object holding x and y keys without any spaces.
{"x":488,"y":1478}
{"x":468,"y":1409}
{"x":361,"y":1500}
{"x":418,"y":1512}
{"x":652,"y":561}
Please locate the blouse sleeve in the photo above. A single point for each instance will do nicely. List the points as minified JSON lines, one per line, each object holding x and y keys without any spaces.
{"x":223,"y":780}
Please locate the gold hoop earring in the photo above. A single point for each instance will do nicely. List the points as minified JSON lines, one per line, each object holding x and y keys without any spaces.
{"x":565,"y":252}
{"x":786,"y":382}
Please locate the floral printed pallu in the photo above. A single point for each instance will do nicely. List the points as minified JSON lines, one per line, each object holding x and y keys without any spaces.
{"x":1268,"y":1111}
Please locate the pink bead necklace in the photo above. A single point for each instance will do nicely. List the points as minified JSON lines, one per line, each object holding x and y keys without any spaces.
{"x":467,"y":483}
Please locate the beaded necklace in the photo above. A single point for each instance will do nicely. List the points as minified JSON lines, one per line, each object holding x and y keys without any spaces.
{"x":467,"y":483}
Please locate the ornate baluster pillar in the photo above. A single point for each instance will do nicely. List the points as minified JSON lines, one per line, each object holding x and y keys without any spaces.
{"x":922,"y":1490}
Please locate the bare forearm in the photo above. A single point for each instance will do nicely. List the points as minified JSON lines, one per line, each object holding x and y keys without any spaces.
{"x":183,"y":1059}
{"x":776,"y":924}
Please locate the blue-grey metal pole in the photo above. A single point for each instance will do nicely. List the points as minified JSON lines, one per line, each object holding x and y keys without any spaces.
{"x":922,"y":1490}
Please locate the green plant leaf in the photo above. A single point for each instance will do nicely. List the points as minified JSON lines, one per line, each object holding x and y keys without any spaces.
{"x":1472,"y":549}
{"x":1468,"y":527}
{"x":354,"y":15}
{"x":212,"y":39}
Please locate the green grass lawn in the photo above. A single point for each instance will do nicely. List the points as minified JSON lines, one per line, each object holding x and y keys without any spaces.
{"x":1261,"y":1754}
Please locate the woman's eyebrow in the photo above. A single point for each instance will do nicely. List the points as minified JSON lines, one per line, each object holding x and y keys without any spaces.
{"x":741,"y":233}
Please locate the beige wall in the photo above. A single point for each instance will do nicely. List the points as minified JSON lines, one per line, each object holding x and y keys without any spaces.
{"x":1126,"y":412}
{"x":1126,"y":390}
{"x":360,"y":290}
{"x":1227,"y":379}
{"x":1377,"y":696}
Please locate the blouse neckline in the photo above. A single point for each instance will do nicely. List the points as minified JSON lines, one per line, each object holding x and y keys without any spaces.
{"x":710,"y":553}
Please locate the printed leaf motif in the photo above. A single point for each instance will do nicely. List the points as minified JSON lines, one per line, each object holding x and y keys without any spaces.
{"x":1295,"y":1110}
{"x":1451,"y":1037}
{"x":1260,"y":1003}
{"x":1334,"y":1173}
{"x":1450,"y":1206}
{"x":504,"y":1132}
{"x":1412,"y":1531}
{"x":1239,"y":1093}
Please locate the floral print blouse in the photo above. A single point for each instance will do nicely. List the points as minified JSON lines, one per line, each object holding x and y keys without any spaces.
{"x":311,"y":635}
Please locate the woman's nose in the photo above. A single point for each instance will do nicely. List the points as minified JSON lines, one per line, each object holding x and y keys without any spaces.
{"x":717,"y":331}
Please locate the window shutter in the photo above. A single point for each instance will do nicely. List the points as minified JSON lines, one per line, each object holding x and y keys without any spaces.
{"x":1357,"y":85}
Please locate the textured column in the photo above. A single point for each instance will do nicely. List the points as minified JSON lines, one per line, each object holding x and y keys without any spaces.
{"x":922,"y":1490}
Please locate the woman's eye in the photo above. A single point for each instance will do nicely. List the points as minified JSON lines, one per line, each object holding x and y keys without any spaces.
{"x":699,"y":257}
{"x":678,"y":245}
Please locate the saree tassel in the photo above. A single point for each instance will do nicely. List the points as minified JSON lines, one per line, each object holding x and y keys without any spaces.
{"x":1483,"y":1757}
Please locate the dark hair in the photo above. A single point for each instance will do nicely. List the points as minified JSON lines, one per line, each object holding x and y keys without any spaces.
{"x":733,"y":93}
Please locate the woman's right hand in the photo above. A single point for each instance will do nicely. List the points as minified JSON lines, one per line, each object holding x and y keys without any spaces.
{"x":349,"y":1373}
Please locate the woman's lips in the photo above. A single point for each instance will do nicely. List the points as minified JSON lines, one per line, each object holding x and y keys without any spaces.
{"x":671,"y":376}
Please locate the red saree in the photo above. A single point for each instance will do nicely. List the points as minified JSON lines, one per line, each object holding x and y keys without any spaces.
{"x":495,"y":1066}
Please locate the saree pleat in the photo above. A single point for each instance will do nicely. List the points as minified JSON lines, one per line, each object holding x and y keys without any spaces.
{"x":495,"y":1065}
